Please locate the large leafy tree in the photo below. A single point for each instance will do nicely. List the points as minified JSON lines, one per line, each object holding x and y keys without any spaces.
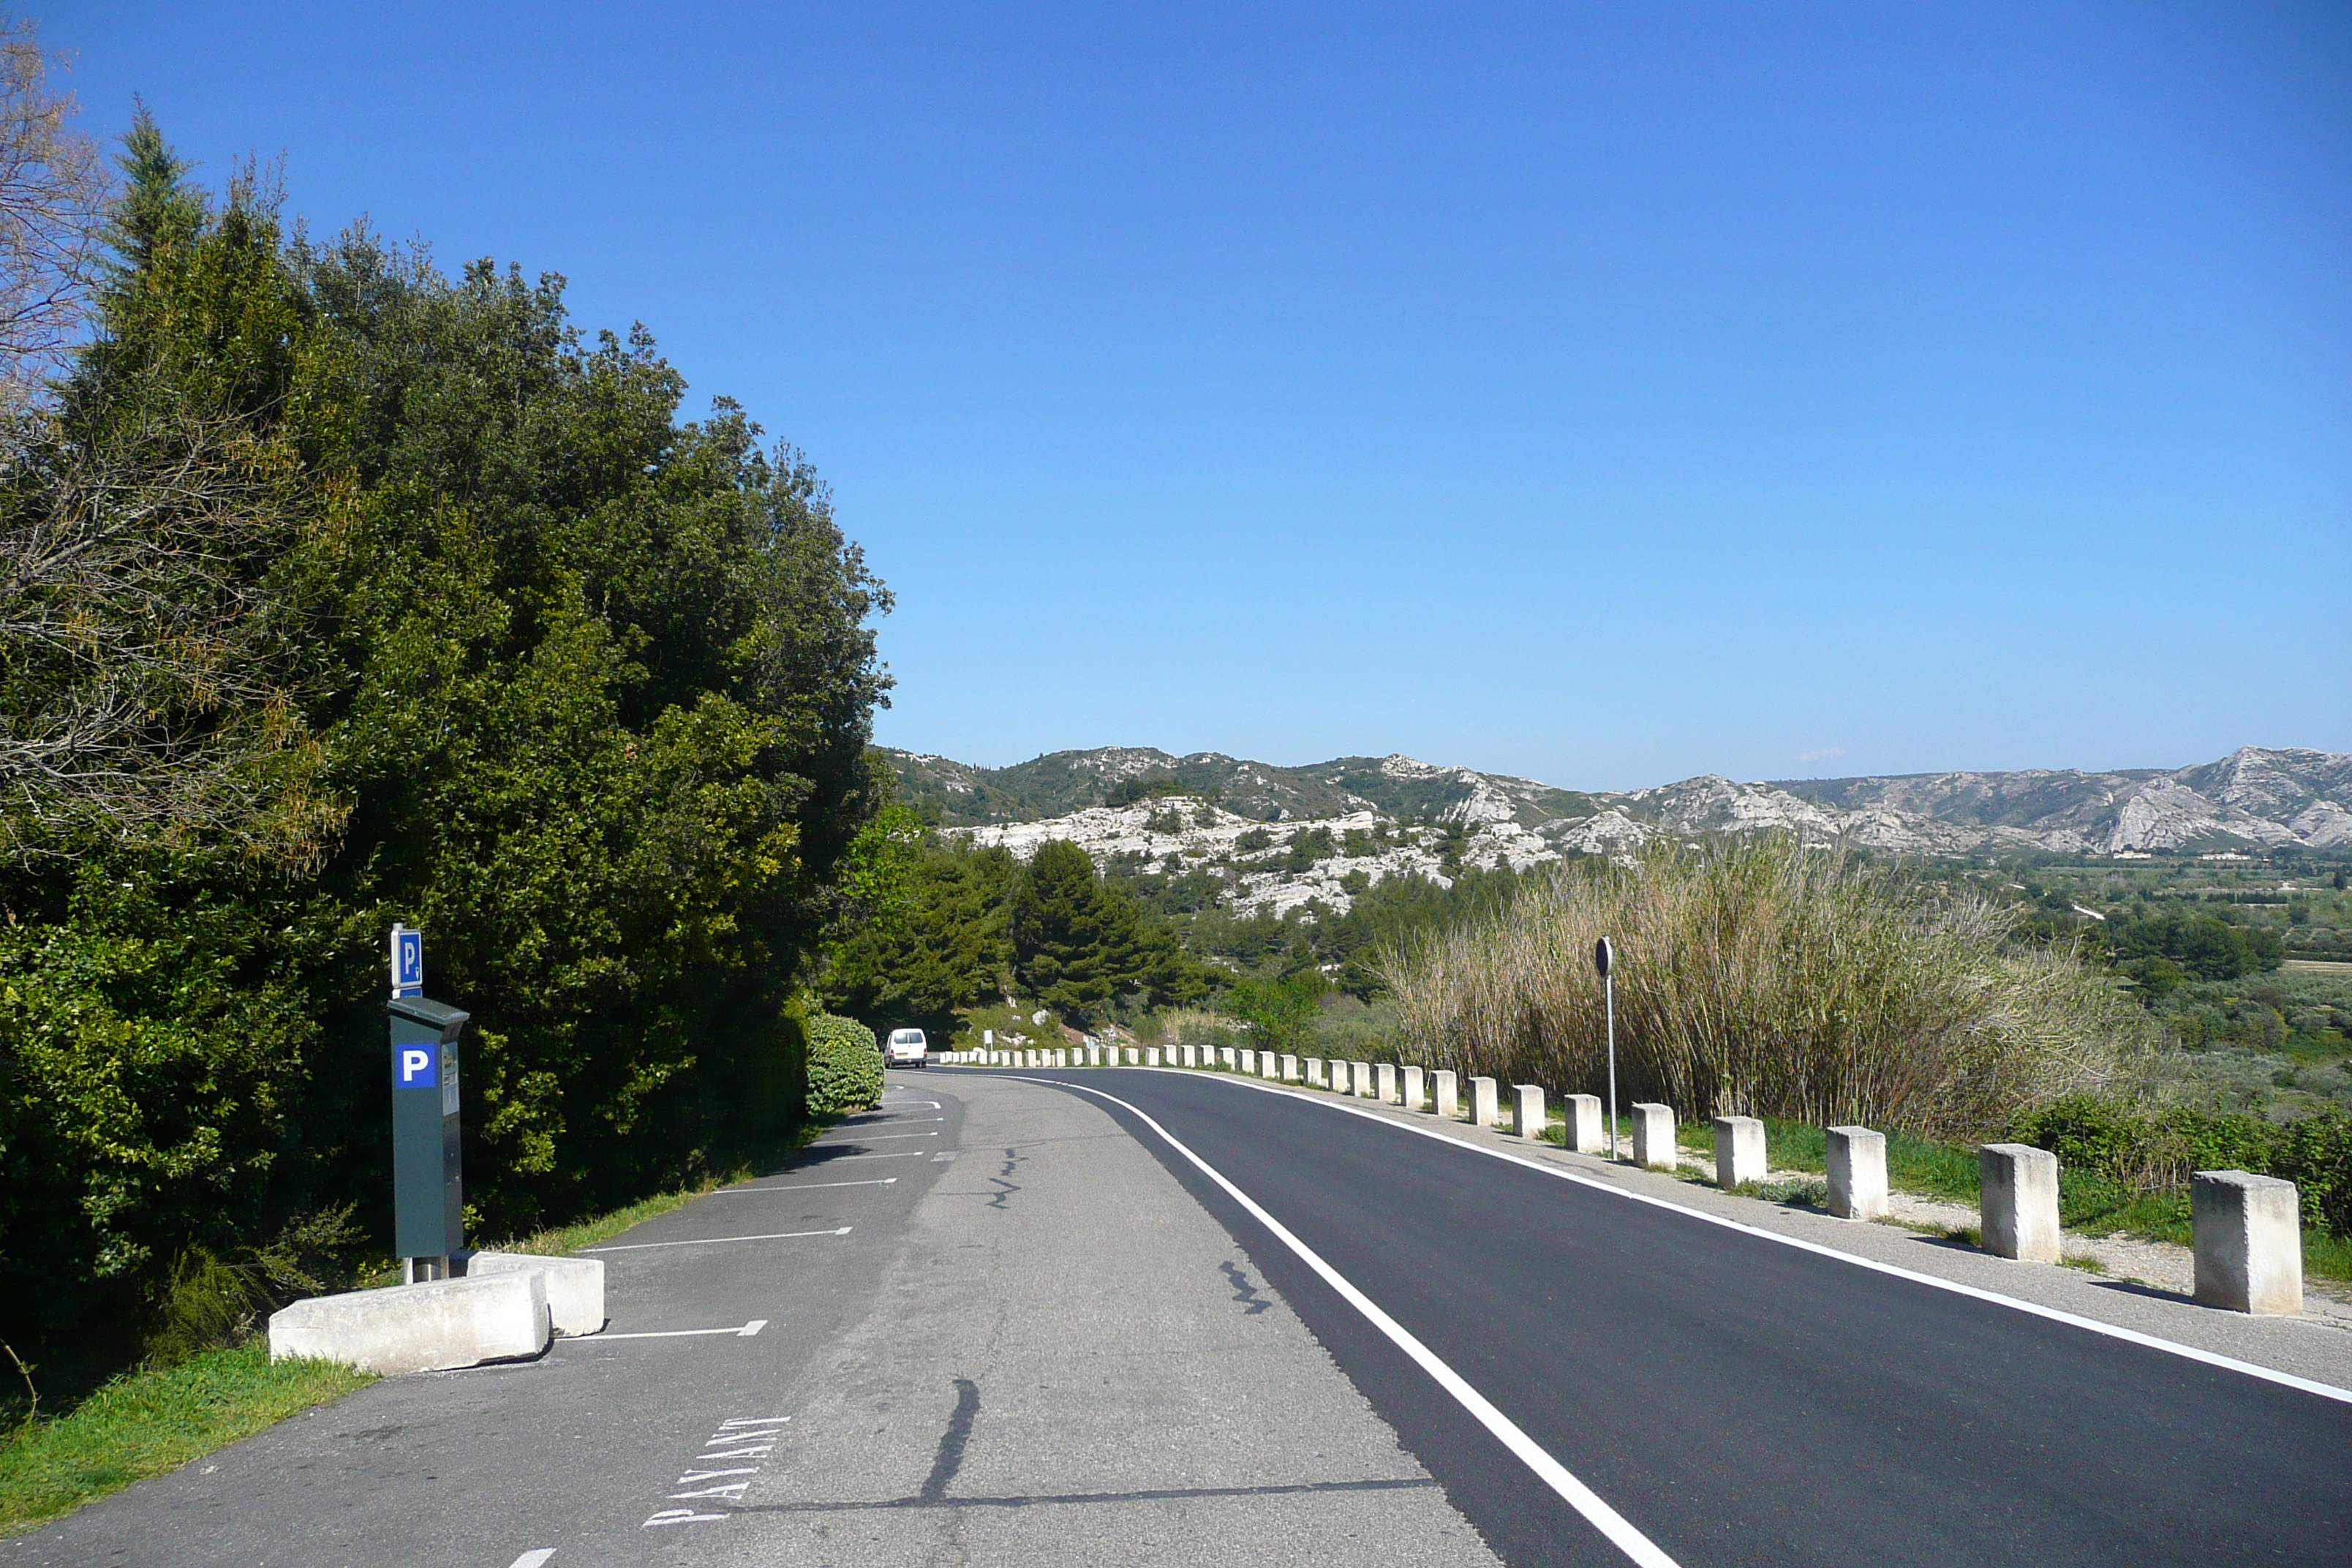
{"x":504,"y":648}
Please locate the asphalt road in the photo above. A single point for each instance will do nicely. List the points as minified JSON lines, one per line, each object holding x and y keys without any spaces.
{"x":1736,"y":1400}
{"x":1005,"y":1321}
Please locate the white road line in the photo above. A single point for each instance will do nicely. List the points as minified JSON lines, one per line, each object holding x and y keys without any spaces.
{"x":912,"y":1105}
{"x":742,"y":1331}
{"x":873,"y":1138}
{"x":713,"y":1241}
{"x":810,"y":1187}
{"x":2034,"y":1309}
{"x":535,"y":1558}
{"x":1574,"y":1492}
{"x":914,"y":1154}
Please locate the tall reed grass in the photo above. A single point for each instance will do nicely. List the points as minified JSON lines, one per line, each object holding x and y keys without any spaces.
{"x":1760,"y":977}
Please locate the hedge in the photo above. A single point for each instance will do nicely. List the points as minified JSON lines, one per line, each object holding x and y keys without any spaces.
{"x":2158,"y":1151}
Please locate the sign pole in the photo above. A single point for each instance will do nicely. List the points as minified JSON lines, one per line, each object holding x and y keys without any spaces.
{"x":1601,"y":961}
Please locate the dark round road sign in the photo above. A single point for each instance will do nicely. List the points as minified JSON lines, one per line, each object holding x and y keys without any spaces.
{"x":1601,"y":955}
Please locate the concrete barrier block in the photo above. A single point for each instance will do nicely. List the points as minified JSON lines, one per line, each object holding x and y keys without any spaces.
{"x":2018,"y":1204}
{"x":431,"y":1327}
{"x":1585,"y":1134}
{"x":1266,"y":1064}
{"x":2249,"y":1242}
{"x":1314,"y":1077}
{"x":1249,"y":1063}
{"x":1653,"y":1136}
{"x":1857,"y":1162}
{"x":574,"y":1288}
{"x":1289,"y":1067}
{"x":1440,"y":1093}
{"x":1364,"y":1077}
{"x":1415,"y":1087}
{"x":1738,"y":1151}
{"x":1483,"y":1112}
{"x":1384,"y":1083}
{"x":1527,"y":1119}
{"x":1151,"y":1056}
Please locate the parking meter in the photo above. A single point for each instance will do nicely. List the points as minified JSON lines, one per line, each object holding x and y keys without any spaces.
{"x":428,"y":1196}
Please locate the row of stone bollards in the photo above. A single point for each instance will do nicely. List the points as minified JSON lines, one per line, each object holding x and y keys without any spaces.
{"x":2248,"y":1230}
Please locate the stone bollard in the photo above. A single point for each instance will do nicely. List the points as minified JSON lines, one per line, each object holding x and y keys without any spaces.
{"x":1224,"y":1056}
{"x":1289,"y":1066}
{"x":1248,"y":1063}
{"x":1857,"y":1161}
{"x":1151,"y":1056}
{"x":428,"y":1326}
{"x":1094,"y":1056}
{"x":1385,"y":1089}
{"x":574,"y":1286}
{"x":1653,"y":1136}
{"x":1416,"y":1088}
{"x":1363,"y":1072}
{"x":1133,"y":1057}
{"x":1315,"y":1078}
{"x":1527,"y":1119}
{"x":1584,"y":1133}
{"x":1482,"y":1103}
{"x":2249,"y":1242}
{"x":1738,"y":1151}
{"x":1266,"y":1064}
{"x":2018,"y":1201}
{"x":1441,"y":1091}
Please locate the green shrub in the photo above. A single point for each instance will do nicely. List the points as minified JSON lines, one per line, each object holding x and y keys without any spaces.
{"x":845,"y":1065}
{"x":2146,"y":1151}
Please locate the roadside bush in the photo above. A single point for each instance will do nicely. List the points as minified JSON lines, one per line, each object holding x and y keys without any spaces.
{"x":1764,"y":978}
{"x":2148,"y":1150}
{"x":845,"y":1065}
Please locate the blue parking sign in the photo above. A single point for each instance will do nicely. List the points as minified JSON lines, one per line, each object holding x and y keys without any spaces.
{"x":408,"y":962}
{"x":416,"y":1067}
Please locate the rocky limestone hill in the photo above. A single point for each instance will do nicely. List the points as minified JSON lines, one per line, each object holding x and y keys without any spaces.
{"x":1286,"y":836}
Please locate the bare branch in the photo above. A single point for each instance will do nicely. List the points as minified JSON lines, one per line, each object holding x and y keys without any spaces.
{"x":54,"y":190}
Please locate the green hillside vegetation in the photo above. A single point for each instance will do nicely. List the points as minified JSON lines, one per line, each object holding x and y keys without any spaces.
{"x":349,"y":591}
{"x":1061,"y":782}
{"x":939,"y":931}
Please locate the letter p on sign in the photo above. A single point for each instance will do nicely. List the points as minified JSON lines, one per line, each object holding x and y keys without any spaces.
{"x":417,"y":1067}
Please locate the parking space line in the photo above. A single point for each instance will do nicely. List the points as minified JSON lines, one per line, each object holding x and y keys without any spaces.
{"x":745,"y":1331}
{"x":535,"y":1558}
{"x":715,"y":1240}
{"x":874,"y":1138}
{"x":810,"y":1187}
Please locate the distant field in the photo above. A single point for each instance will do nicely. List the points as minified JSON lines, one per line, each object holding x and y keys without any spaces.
{"x":2317,"y":966}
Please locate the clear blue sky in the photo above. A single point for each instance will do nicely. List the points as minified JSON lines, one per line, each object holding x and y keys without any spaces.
{"x":1603,"y":394}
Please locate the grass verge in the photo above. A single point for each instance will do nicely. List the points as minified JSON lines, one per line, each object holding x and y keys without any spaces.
{"x":146,"y":1423}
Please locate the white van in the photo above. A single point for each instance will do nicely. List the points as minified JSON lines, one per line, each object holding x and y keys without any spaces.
{"x":908,"y":1049}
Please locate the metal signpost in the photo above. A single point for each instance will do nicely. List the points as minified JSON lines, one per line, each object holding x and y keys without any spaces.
{"x":428,"y":1209}
{"x":1602,"y":954}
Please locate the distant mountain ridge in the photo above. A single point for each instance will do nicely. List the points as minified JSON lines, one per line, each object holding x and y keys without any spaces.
{"x":2254,"y":798}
